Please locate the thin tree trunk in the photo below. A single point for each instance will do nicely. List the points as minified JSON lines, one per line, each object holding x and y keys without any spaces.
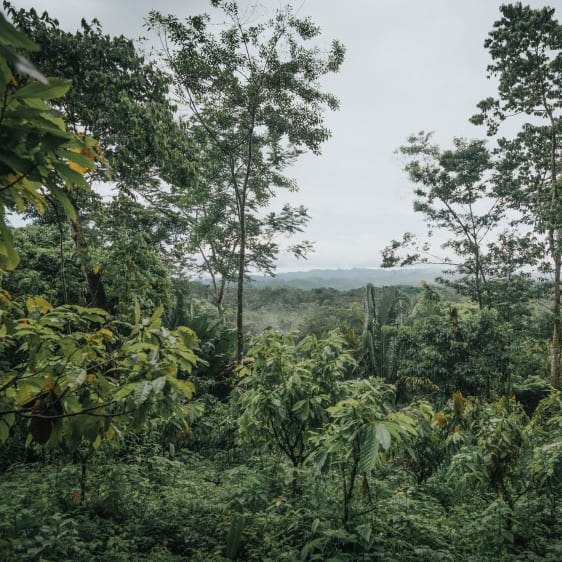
{"x":241,"y":196}
{"x":93,"y":278}
{"x":240,"y":291}
{"x":554,"y":236}
{"x":219,"y":289}
{"x":555,"y":345}
{"x":61,"y":254}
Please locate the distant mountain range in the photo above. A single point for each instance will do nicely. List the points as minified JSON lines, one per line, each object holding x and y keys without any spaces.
{"x":346,"y":279}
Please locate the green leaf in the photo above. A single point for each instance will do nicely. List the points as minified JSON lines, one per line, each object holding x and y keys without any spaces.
{"x":69,"y":176}
{"x":187,"y":388}
{"x":156,"y":318}
{"x":383,"y":436}
{"x":15,"y":162}
{"x":9,"y":35}
{"x":142,"y":346}
{"x":72,"y":405}
{"x":124,"y":391}
{"x":62,"y":198}
{"x":369,"y":450}
{"x":4,"y":431}
{"x":27,"y":392}
{"x":55,"y":88}
{"x":137,"y":313}
{"x":142,"y":392}
{"x":79,"y":379}
{"x":80,"y":159}
{"x":25,"y":66}
{"x":158,"y":385}
{"x":9,"y":258}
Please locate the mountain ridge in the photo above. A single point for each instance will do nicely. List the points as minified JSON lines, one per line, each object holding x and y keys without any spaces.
{"x":346,"y":279}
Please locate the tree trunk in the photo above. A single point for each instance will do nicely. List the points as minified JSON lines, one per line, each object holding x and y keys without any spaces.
{"x":240,"y":291}
{"x":478,"y":279}
{"x":554,"y":238}
{"x":219,"y":289}
{"x":555,"y":350}
{"x":93,"y":278}
{"x":241,"y":199}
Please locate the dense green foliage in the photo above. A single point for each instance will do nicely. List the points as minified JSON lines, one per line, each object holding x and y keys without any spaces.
{"x":375,"y":424}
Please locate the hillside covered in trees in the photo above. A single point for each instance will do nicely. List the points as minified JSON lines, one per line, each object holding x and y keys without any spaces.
{"x":147,"y":415}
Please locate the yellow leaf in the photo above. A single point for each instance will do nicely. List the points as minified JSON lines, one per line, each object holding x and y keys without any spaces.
{"x":77,"y":168}
{"x":186,"y":387}
{"x":105,"y":332}
{"x":88,"y":153}
{"x":97,"y":442}
{"x":48,"y":384}
{"x":38,"y":302}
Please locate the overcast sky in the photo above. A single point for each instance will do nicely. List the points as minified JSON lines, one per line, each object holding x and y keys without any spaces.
{"x":411,"y":65}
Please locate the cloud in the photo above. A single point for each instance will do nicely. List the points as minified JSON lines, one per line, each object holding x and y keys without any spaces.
{"x":411,"y":65}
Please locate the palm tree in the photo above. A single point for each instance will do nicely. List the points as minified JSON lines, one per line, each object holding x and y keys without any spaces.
{"x":387,"y":310}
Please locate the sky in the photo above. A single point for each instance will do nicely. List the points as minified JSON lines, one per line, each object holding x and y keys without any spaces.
{"x":411,"y":65}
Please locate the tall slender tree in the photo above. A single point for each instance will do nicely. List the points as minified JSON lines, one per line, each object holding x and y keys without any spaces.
{"x":526,"y":50}
{"x":207,"y":227}
{"x":253,"y":91}
{"x":455,"y":194}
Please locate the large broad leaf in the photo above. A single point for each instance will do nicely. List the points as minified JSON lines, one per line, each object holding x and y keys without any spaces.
{"x":188,"y":336}
{"x":24,"y":66}
{"x":156,"y":318}
{"x":9,"y":258}
{"x":187,"y":388}
{"x":142,"y":346}
{"x":158,"y":385}
{"x":28,"y":392}
{"x":369,"y":449}
{"x":38,"y":303}
{"x":142,"y":392}
{"x":62,"y":198}
{"x":383,"y":436}
{"x":55,"y":88}
{"x":9,"y":35}
{"x":4,"y":431}
{"x":80,"y":160}
{"x":69,"y":176}
{"x":5,"y":72}
{"x":77,"y":379}
{"x":124,"y":391}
